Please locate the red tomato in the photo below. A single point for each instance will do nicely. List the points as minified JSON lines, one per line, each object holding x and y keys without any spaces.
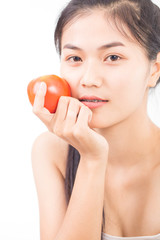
{"x":56,"y":87}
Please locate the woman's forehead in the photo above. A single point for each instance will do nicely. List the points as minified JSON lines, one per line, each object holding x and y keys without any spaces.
{"x":96,"y":26}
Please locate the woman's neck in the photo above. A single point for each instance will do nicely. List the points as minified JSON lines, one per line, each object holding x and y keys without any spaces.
{"x":131,"y":142}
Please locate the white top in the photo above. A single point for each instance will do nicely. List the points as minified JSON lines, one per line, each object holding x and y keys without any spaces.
{"x":109,"y":237}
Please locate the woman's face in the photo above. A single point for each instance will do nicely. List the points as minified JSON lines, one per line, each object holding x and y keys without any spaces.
{"x":99,"y":62}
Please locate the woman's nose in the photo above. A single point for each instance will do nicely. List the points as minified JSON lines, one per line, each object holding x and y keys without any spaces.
{"x":91,"y":76}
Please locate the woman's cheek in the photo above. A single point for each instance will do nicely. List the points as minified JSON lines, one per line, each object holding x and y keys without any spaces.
{"x":71,"y":74}
{"x":117,"y":79}
{"x":71,"y":78}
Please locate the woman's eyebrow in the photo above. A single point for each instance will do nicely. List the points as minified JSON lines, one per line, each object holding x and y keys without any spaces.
{"x":70,"y":46}
{"x":109,"y":45}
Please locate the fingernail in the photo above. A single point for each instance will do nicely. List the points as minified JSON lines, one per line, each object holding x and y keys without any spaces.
{"x":42,"y":85}
{"x":42,"y":88}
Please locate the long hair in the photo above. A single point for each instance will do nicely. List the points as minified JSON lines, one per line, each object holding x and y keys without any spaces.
{"x":73,"y":159}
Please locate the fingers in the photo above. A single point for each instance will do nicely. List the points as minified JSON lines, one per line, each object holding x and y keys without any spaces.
{"x":39,"y":98}
{"x":38,"y":106}
{"x":81,"y":130}
{"x":67,"y":111}
{"x":71,"y":119}
{"x":72,"y":113}
{"x":84,"y":117}
{"x":71,"y":123}
{"x":60,"y":115}
{"x":66,"y":116}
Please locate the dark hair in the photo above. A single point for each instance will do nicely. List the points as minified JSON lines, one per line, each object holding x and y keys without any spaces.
{"x":142,"y":17}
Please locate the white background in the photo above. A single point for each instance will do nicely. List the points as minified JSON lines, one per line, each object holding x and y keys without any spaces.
{"x":26,"y":52}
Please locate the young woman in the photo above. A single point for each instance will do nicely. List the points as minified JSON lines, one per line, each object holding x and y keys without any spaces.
{"x":97,"y":169}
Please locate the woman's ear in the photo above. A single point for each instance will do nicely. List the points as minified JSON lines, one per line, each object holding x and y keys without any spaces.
{"x":155,"y":72}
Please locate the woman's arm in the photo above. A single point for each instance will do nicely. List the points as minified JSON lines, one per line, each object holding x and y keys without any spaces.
{"x":49,"y":181}
{"x":82,"y":218}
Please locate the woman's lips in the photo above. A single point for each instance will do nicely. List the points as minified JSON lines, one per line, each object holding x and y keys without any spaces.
{"x":93,"y":101}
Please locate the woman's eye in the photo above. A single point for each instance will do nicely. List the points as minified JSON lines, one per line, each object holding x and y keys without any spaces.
{"x":74,"y":59}
{"x":113,"y":58}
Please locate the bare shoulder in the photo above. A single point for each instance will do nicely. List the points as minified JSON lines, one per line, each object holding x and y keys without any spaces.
{"x":53,"y":148}
{"x":49,"y":155}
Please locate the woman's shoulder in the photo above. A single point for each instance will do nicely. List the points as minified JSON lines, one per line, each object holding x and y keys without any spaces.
{"x":53,"y":148}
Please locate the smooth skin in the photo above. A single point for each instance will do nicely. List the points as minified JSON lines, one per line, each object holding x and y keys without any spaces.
{"x":118,"y":143}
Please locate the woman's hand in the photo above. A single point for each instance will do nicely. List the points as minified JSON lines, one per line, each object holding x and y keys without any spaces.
{"x":71,"y":123}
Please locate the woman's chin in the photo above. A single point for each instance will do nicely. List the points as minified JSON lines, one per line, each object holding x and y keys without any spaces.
{"x":94,"y":124}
